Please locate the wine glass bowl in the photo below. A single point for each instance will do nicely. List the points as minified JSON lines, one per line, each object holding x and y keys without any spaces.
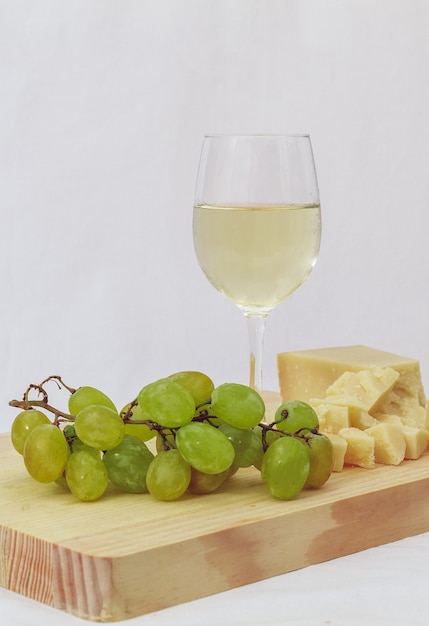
{"x":256,"y":223}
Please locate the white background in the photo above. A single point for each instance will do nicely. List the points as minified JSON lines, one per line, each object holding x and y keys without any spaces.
{"x":103,"y":106}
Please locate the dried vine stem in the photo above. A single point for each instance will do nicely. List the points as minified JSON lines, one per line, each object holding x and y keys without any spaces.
{"x":33,"y":404}
{"x":26,"y":403}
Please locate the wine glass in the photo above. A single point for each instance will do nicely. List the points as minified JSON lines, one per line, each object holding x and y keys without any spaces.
{"x":256,"y":224}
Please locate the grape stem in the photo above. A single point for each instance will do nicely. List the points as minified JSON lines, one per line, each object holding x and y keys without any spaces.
{"x":128,"y":413}
{"x":31,"y":404}
{"x":26,"y":403}
{"x":306,"y":433}
{"x":59,"y":381}
{"x":267,"y":428}
{"x":204,"y":416}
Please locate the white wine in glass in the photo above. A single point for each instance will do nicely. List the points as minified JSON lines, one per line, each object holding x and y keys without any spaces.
{"x":256,"y":224}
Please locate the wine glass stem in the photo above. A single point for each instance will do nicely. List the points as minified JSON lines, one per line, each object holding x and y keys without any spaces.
{"x":256,"y":331}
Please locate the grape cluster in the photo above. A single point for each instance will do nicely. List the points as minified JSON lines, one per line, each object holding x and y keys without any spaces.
{"x":202,"y":435}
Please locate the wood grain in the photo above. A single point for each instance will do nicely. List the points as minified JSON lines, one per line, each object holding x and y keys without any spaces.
{"x":127,"y":555}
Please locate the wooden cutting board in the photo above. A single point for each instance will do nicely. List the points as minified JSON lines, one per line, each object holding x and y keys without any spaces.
{"x":127,"y":555}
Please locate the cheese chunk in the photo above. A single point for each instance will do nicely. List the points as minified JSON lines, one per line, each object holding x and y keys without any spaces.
{"x":331,"y":418}
{"x":368,"y":387}
{"x":361,"y":419}
{"x":416,"y":441}
{"x":389,"y":443}
{"x":349,"y":402}
{"x":309,"y":373}
{"x":386,"y":418}
{"x":360,"y":447}
{"x":414,"y":416}
{"x":335,"y":413}
{"x":339,"y":446}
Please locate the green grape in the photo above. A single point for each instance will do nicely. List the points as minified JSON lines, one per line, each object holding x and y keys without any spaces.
{"x":86,"y":476}
{"x":168,"y":476}
{"x":23,"y":424}
{"x":205,"y":448}
{"x":232,"y":470}
{"x":78,"y":445}
{"x":293,"y":415}
{"x":69,"y":432}
{"x":258,"y":462}
{"x":75,"y":444}
{"x":87,"y":396}
{"x":321,"y":459}
{"x":99,"y":427}
{"x":167,"y":403}
{"x":45,"y":453}
{"x":202,"y":483}
{"x":127,"y":464}
{"x":285,"y":467}
{"x":199,"y":384}
{"x":247,"y":445}
{"x":62,"y":482}
{"x":142,"y":431}
{"x":238,"y":405}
